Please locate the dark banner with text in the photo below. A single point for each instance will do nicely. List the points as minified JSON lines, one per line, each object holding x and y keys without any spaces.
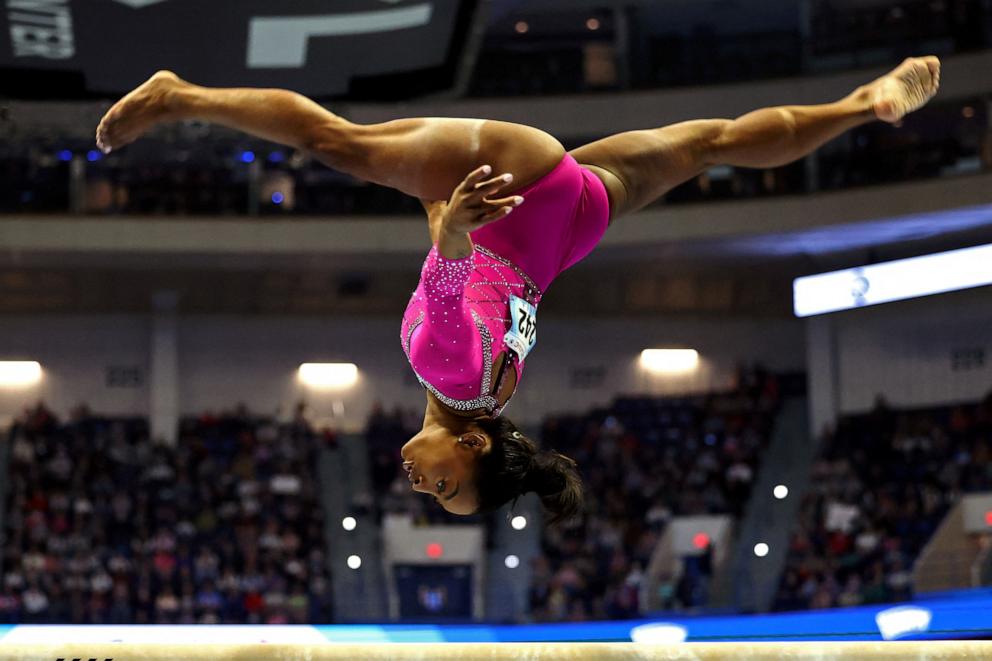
{"x":364,"y":49}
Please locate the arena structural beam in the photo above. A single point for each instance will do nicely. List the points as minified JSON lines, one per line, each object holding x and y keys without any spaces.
{"x":822,"y":651}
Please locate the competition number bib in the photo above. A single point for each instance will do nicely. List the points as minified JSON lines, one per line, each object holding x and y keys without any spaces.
{"x":522,"y":335}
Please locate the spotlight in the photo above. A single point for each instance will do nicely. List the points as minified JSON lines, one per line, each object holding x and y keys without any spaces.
{"x":349,"y":523}
{"x":761,"y":549}
{"x":781,"y":491}
{"x":93,"y":155}
{"x":511,"y":561}
{"x":328,"y":375}
{"x":669,"y":361}
{"x":277,"y":198}
{"x":247,"y":156}
{"x":593,"y":24}
{"x":65,"y":155}
{"x":518,"y":522}
{"x":354,"y":562}
{"x":19,"y":372}
{"x":521,"y":27}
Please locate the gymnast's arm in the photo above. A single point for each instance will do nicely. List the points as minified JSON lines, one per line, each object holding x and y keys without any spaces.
{"x":448,"y":347}
{"x":470,"y":207}
{"x":445,"y":350}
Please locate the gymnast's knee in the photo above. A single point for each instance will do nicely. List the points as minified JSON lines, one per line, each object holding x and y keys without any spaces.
{"x":338,"y":144}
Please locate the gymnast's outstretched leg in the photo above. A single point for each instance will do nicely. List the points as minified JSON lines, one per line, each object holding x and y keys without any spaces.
{"x":638,"y":167}
{"x":426,"y":157}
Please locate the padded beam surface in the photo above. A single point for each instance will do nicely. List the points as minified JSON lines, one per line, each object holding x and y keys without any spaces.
{"x":528,"y":651}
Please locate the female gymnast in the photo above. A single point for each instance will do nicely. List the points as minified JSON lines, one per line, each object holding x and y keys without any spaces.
{"x":472,"y":320}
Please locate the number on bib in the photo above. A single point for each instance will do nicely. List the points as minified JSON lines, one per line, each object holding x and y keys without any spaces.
{"x":522,"y":335}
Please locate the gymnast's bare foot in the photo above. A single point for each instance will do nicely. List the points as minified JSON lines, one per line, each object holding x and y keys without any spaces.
{"x":138,"y":112}
{"x":906,"y":88}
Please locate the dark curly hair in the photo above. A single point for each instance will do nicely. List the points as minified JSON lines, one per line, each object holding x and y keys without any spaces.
{"x":514,"y":466}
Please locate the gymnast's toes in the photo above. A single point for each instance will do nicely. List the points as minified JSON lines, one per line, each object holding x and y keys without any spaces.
{"x":906,"y":88}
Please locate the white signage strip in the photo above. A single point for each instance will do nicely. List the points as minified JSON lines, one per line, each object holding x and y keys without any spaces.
{"x":281,"y":41}
{"x":892,"y":281}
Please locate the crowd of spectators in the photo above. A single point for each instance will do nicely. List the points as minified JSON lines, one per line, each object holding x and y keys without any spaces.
{"x":878,"y":492}
{"x":644,"y":461}
{"x":103,"y":525}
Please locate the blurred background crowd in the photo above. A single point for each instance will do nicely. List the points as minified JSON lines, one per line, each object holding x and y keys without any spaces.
{"x":105,"y":526}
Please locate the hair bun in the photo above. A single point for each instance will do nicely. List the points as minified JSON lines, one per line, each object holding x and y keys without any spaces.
{"x":555,"y":479}
{"x":514,"y":466}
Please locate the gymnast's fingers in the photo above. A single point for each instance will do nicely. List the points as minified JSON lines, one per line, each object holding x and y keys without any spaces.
{"x":492,"y":186}
{"x":473,"y":178}
{"x":492,"y":216}
{"x":512,"y":201}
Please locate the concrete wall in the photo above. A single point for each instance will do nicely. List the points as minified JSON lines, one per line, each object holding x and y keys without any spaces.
{"x":914,"y":352}
{"x":908,"y":351}
{"x":927,"y":351}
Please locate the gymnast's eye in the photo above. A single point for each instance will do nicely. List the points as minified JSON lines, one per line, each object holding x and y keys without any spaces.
{"x":440,"y":486}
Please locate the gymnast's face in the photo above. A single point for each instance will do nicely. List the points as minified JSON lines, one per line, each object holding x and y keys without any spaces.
{"x":442,"y":463}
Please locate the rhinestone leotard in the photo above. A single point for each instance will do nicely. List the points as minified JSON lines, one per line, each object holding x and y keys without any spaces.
{"x":455,"y":324}
{"x":462,"y":314}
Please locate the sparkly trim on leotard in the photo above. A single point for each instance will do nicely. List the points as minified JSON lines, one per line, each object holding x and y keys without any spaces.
{"x":505,"y":262}
{"x":484,"y":401}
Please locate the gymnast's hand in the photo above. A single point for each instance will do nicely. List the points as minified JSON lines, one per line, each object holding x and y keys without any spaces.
{"x":472,"y":205}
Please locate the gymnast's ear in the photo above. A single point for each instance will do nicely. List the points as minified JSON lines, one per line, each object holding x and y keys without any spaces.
{"x":475,"y":441}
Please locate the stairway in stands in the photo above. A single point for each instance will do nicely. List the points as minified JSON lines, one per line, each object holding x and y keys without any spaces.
{"x":747,"y":582}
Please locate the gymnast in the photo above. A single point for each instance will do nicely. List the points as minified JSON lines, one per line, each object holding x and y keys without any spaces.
{"x":527,"y":211}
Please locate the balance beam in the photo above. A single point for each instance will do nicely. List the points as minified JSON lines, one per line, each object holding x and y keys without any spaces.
{"x":826,"y":651}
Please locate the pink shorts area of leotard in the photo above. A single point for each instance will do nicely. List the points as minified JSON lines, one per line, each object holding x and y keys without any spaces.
{"x":564,"y":215}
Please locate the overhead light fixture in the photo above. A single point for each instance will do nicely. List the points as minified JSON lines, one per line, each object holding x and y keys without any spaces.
{"x":16,"y":373}
{"x":892,"y":281}
{"x":328,"y":375}
{"x":669,"y":361}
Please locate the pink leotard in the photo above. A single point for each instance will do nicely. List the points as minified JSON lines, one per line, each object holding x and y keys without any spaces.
{"x":454,"y":326}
